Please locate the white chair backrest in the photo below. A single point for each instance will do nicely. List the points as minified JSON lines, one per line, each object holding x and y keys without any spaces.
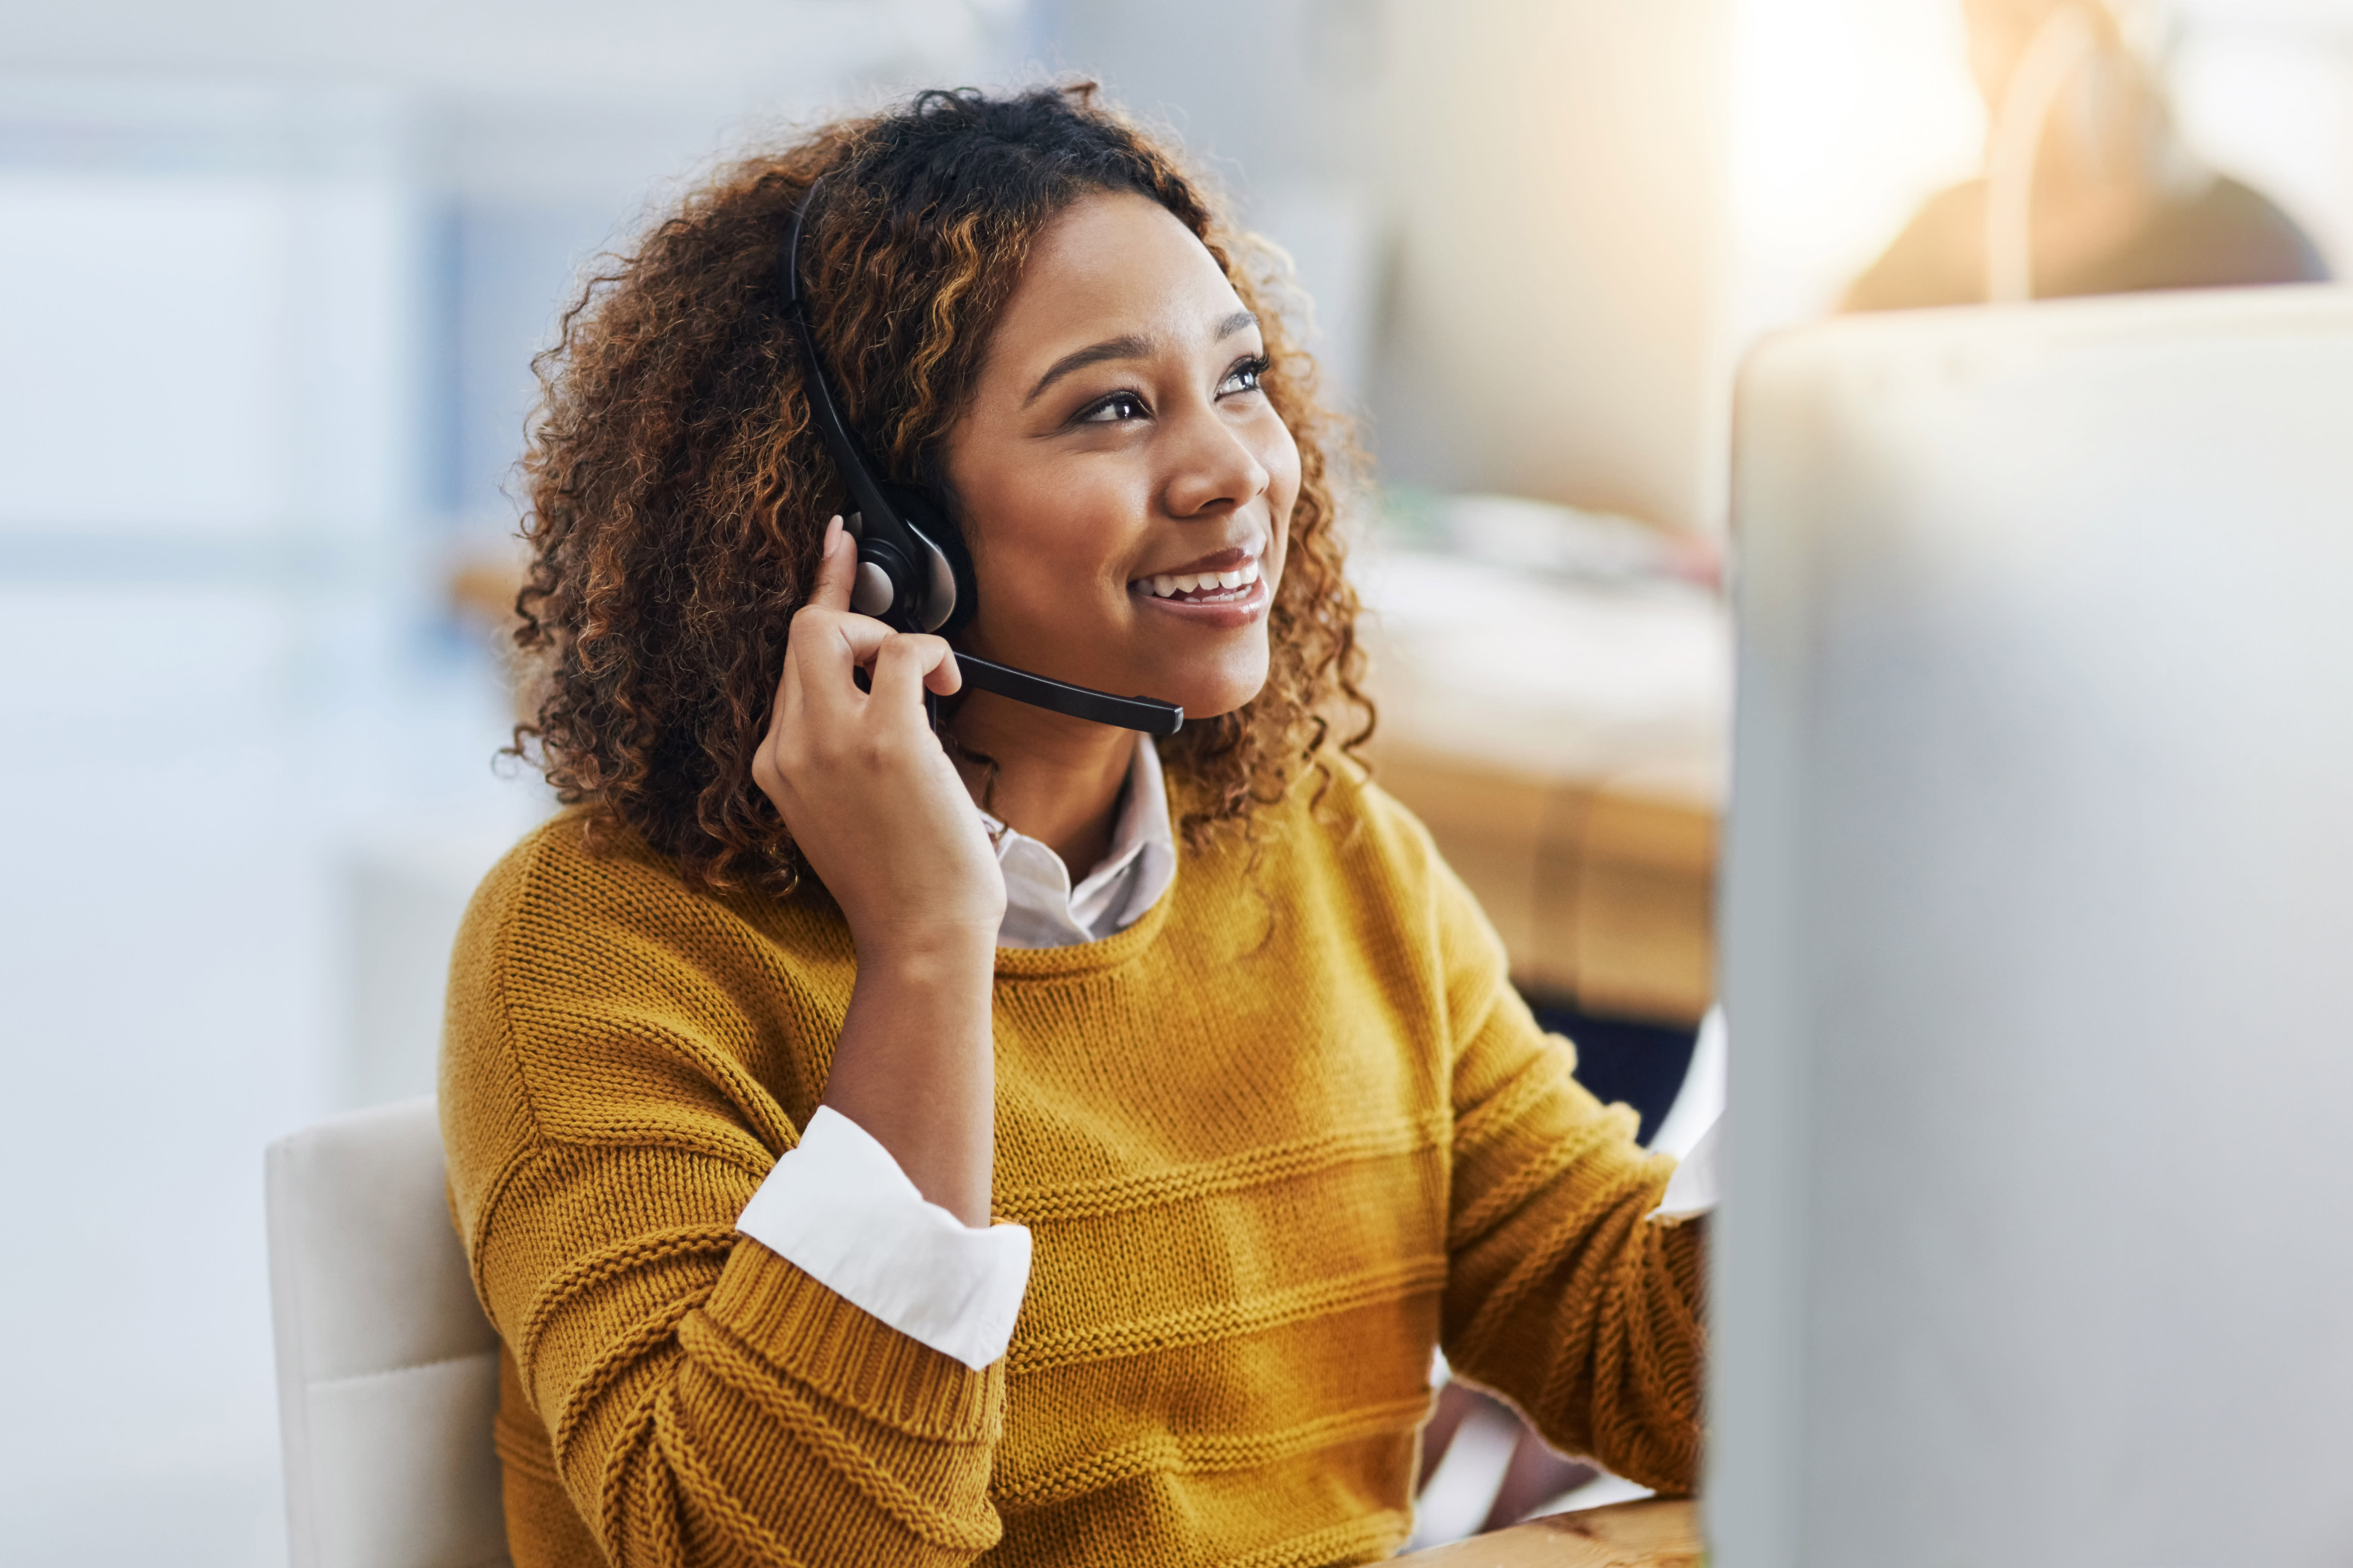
{"x":387,"y":1370}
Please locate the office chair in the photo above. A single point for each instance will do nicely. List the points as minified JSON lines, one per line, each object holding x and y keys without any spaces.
{"x":387,"y":1370}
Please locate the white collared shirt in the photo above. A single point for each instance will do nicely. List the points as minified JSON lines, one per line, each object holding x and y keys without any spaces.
{"x":839,"y":1208}
{"x":1041,"y":907}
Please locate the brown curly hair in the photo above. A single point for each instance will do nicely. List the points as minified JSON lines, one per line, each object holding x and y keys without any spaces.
{"x":677,"y":491}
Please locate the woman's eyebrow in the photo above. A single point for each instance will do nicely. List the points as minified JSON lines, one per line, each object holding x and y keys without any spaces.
{"x":1128,"y":347}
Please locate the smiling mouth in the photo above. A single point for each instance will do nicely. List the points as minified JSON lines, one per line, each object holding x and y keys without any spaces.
{"x":1202,"y":588}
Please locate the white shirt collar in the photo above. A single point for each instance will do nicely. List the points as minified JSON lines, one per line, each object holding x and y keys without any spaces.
{"x":1041,"y":907}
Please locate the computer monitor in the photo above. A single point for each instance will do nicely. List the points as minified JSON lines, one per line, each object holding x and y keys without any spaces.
{"x":2038,"y":943}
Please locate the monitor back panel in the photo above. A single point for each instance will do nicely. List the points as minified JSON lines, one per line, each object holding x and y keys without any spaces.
{"x":2038,"y":936}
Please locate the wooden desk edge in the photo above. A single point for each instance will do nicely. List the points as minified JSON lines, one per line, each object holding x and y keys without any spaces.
{"x":1658,"y":1533}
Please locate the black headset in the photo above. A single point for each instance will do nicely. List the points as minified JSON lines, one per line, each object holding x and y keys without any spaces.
{"x":913,"y":571}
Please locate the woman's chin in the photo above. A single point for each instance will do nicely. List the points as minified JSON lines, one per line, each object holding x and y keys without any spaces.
{"x":1205,"y":696}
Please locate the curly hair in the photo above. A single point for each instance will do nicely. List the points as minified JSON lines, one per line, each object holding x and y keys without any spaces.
{"x":677,"y":491}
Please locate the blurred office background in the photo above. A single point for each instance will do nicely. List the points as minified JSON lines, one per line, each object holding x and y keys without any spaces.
{"x":271,"y":274}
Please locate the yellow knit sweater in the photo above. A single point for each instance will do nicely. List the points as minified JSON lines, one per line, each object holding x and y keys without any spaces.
{"x":1275,"y":1141}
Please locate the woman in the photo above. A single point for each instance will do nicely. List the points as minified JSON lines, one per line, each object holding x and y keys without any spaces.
{"x":745,"y":1050}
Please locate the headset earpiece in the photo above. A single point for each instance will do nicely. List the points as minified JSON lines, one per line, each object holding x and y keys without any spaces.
{"x":950,"y":595}
{"x":932,"y":591}
{"x":880,"y":585}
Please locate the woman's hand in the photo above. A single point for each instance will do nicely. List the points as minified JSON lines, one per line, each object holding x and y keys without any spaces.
{"x":877,"y":808}
{"x":872,"y":801}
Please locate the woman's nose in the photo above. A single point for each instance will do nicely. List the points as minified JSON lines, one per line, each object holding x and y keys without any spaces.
{"x":1213,"y":466}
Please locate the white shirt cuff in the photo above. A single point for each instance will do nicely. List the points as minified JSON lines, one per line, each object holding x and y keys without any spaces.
{"x":839,"y":1208}
{"x":1693,"y":1189}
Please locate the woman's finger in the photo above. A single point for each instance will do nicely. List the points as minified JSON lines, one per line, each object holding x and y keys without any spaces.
{"x":826,"y":651}
{"x":836,"y":568}
{"x":908,"y":663}
{"x":945,"y":678}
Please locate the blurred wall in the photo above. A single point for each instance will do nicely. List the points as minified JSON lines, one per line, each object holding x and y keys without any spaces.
{"x":1555,"y":172}
{"x":1537,"y":188}
{"x":2263,"y":89}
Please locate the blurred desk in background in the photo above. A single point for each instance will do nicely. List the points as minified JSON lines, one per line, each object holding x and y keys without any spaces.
{"x":1566,"y":744}
{"x":1661,"y":1533}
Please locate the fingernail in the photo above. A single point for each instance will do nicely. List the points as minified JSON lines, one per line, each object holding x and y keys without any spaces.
{"x":832,"y":532}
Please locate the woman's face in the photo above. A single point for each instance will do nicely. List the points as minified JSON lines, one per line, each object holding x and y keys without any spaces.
{"x":1126,"y":487}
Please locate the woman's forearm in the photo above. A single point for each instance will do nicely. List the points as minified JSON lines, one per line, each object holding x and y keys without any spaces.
{"x":915,"y":1065}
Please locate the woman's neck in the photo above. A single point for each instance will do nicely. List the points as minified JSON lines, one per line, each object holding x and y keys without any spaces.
{"x":1057,"y":779}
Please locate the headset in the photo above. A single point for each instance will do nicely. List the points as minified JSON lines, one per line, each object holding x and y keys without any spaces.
{"x":913,"y":571}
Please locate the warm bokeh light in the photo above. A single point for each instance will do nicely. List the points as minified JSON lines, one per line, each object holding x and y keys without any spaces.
{"x":1845,"y":114}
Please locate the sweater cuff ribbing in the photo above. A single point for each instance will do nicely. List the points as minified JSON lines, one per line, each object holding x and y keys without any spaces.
{"x":853,"y":1357}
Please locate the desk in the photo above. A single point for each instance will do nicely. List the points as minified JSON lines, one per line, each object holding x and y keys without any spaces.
{"x":1657,"y":1533}
{"x":1566,"y":747}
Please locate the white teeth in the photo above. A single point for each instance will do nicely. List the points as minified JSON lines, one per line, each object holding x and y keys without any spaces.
{"x":1169,"y":585}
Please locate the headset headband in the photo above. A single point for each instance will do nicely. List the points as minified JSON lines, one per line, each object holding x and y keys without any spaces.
{"x":850,"y":455}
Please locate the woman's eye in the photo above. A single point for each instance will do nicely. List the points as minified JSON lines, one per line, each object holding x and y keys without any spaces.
{"x":1119,"y":407}
{"x":1244,"y":377}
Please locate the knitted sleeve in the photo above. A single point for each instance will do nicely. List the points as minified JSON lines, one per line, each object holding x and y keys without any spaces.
{"x":702,"y":1399}
{"x":1560,"y":1294}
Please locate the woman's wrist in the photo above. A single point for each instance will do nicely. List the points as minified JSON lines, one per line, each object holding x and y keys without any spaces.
{"x":927,"y":954}
{"x":915,"y":1065}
